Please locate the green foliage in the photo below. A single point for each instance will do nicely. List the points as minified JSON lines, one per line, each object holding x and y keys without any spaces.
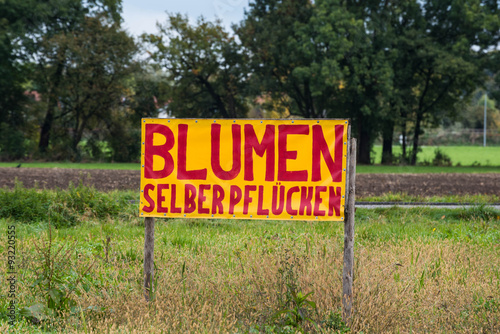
{"x":472,"y":114}
{"x":296,"y":315}
{"x":76,"y":60}
{"x":61,"y":208}
{"x":91,"y":92}
{"x":441,"y":158}
{"x":205,"y":68}
{"x":294,"y":306}
{"x":335,"y":323}
{"x":11,"y":143}
{"x":273,"y":32}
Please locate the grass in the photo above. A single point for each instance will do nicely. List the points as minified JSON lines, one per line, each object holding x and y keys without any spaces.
{"x":461,"y":199}
{"x":364,"y":169}
{"x":472,"y":159}
{"x":418,"y":270}
{"x":361,"y":169}
{"x":463,"y":155}
{"x":61,"y":207}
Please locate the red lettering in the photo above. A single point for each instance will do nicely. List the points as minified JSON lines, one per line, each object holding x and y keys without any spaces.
{"x":252,"y":144}
{"x":202,"y":198}
{"x":306,"y":195}
{"x":320,"y":148}
{"x":189,"y":197}
{"x":318,"y":200}
{"x":150,"y":150}
{"x":278,"y":203}
{"x":289,"y":200}
{"x":247,"y":199}
{"x":182,"y":173}
{"x":284,"y":155}
{"x":218,"y":196}
{"x":334,"y":203}
{"x":173,"y":196}
{"x":148,"y":198}
{"x":161,"y":198}
{"x":234,"y":197}
{"x":215,"y":158}
{"x":260,"y":210}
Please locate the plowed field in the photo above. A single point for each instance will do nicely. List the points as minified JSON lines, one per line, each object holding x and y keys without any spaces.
{"x":366,"y":184}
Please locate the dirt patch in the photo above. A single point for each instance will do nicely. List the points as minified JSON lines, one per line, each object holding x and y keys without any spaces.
{"x":428,"y":184}
{"x":366,"y":184}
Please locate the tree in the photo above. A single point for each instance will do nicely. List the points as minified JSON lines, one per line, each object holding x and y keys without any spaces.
{"x":271,"y":34}
{"x":439,"y":51}
{"x":47,"y":26}
{"x":319,"y":55}
{"x":12,"y":73}
{"x":100,"y":60}
{"x":370,"y":75}
{"x":204,"y":68}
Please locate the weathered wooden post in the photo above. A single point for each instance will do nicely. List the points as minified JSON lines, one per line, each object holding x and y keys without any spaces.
{"x":149,"y":246}
{"x":348,"y":273}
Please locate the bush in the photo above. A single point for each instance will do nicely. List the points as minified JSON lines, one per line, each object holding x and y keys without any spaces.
{"x":441,"y":158}
{"x":61,"y":207}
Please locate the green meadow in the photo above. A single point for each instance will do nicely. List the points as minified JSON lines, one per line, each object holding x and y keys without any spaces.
{"x":462,"y":155}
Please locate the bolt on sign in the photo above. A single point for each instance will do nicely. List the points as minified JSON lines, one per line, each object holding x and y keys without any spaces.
{"x":244,"y":169}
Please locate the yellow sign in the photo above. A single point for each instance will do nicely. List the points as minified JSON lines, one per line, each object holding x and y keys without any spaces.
{"x":245,"y":169}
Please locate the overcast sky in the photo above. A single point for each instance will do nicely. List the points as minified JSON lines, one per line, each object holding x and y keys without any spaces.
{"x":140,"y":16}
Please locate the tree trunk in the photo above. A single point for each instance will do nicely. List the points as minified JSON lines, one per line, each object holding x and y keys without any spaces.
{"x":44,"y":142}
{"x":217,"y":98}
{"x":404,"y":135}
{"x":387,"y":134}
{"x":364,"y":139}
{"x":77,"y":138}
{"x":418,"y":123}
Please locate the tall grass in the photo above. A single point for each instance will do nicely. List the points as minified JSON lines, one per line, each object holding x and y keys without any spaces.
{"x":61,"y":207}
{"x":420,"y":271}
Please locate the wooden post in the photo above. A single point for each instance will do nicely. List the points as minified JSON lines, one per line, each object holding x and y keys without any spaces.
{"x":348,"y":273}
{"x":149,"y":246}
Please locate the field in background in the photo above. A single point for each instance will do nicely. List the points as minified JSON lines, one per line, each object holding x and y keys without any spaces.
{"x":419,"y":270}
{"x":359,"y":169}
{"x":472,"y":159}
{"x":463,"y":155}
{"x":364,"y":169}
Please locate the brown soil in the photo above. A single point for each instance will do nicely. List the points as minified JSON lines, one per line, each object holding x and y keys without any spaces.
{"x":366,"y":184}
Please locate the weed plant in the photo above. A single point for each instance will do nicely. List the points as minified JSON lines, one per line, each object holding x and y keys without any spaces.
{"x":58,"y":278}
